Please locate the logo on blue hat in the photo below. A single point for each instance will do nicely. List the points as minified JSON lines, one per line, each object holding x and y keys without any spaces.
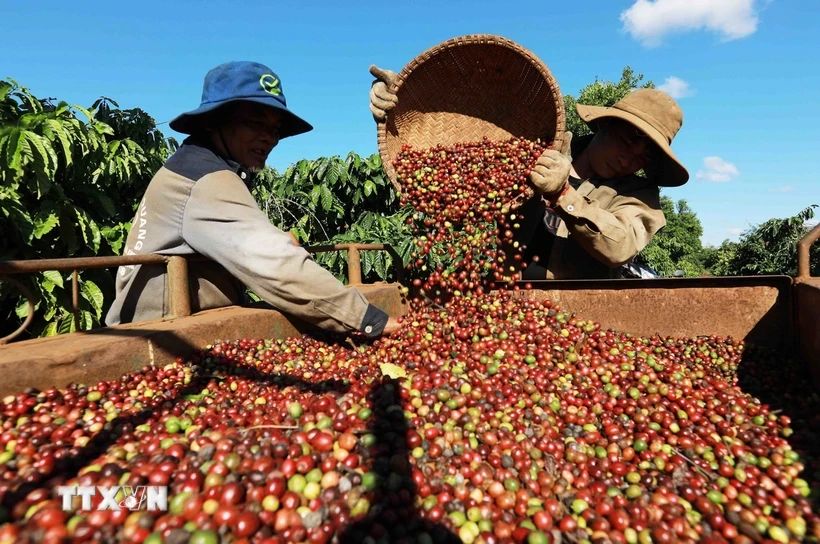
{"x":270,"y":84}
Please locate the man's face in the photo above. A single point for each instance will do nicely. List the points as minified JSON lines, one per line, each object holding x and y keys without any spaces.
{"x":619,"y":149}
{"x":251,"y":132}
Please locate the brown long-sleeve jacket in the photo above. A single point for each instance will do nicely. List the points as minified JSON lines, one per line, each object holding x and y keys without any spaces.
{"x":603,"y":225}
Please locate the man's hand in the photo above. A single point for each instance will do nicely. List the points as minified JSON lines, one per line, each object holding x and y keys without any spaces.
{"x":551,"y":171}
{"x":381,"y":99}
{"x":392,"y":326}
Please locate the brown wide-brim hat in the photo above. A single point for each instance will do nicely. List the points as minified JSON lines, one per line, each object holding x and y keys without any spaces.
{"x":658,"y":116}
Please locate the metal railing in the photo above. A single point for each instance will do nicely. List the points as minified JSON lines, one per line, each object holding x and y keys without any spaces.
{"x":177,"y":267}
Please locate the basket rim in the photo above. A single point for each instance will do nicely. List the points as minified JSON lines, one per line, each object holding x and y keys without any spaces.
{"x":458,"y":41}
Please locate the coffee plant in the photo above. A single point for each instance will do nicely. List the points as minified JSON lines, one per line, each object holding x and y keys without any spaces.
{"x":334,"y":201}
{"x":70,"y":181}
{"x":322,"y":198}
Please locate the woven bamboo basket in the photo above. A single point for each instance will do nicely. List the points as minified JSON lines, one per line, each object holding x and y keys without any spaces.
{"x":467,"y":88}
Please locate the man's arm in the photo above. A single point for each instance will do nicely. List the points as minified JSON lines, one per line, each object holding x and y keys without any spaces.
{"x":223,"y":222}
{"x":616,"y":235}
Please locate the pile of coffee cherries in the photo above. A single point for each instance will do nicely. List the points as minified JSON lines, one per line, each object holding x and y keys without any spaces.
{"x":492,"y":419}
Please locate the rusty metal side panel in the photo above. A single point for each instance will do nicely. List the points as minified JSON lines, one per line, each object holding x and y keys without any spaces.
{"x":758,"y":312}
{"x":107,"y":353}
{"x":807,"y":311}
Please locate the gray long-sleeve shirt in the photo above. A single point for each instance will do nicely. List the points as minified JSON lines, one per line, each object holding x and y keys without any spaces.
{"x":199,"y":203}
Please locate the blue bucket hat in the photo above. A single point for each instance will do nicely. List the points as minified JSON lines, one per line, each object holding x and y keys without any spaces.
{"x":242,"y":81}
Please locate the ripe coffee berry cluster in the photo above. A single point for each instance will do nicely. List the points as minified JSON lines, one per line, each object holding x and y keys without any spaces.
{"x":466,"y":182}
{"x":465,"y":197}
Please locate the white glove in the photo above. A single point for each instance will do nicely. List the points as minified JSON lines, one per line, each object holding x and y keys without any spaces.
{"x":381,"y":99}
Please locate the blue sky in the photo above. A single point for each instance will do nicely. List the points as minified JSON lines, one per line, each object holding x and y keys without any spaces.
{"x":751,"y":67}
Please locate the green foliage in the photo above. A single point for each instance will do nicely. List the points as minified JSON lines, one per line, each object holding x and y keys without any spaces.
{"x":677,"y":246}
{"x":333,"y":201}
{"x":373,"y":228}
{"x":601,"y":93}
{"x":769,"y":248}
{"x":70,"y":181}
{"x":319,"y":199}
{"x":718,"y":260}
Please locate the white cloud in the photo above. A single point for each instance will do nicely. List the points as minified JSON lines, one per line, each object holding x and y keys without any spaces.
{"x":784,"y":189}
{"x":735,"y":231}
{"x":718,"y":170}
{"x":650,"y":20}
{"x":676,"y":88}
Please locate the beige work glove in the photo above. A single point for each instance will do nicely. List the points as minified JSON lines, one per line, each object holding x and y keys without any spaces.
{"x":381,"y":99}
{"x":551,"y":171}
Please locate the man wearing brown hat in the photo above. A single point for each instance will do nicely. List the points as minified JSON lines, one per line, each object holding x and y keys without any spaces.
{"x":592,"y":213}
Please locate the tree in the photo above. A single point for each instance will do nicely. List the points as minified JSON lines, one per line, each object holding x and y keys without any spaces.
{"x":677,"y":246}
{"x":70,"y":182}
{"x":718,"y":260}
{"x":601,"y":93}
{"x":769,"y":248}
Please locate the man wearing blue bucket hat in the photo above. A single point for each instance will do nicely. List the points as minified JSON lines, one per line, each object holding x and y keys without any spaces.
{"x":199,"y":202}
